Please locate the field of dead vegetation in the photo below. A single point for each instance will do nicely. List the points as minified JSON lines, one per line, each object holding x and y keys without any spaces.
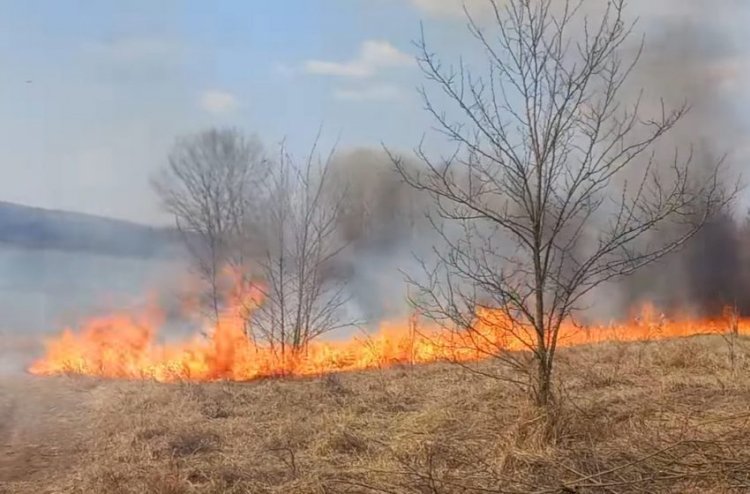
{"x":671,"y":416}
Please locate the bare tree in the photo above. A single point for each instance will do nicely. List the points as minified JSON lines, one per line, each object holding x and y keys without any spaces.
{"x":211,"y":184}
{"x":556,"y":185}
{"x":302,"y":300}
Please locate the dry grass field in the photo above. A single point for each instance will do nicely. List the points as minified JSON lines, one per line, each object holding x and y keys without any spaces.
{"x":665,"y":416}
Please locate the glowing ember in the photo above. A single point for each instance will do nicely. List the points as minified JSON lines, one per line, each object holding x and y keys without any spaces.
{"x":123,"y":346}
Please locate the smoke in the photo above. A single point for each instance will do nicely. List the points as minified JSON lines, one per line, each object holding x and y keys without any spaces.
{"x":385,"y":226}
{"x":691,"y":56}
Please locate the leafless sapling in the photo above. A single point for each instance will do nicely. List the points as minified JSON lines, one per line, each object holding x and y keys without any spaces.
{"x":556,"y":185}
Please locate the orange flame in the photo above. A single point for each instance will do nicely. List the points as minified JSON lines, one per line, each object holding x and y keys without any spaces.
{"x":125,"y":346}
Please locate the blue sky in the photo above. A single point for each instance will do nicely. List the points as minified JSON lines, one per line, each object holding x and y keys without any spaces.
{"x":113,"y":82}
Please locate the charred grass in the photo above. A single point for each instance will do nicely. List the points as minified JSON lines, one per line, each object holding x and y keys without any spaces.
{"x":640,"y":417}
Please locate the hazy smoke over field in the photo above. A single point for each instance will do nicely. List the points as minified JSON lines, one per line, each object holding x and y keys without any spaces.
{"x":690,"y":56}
{"x":385,"y":225}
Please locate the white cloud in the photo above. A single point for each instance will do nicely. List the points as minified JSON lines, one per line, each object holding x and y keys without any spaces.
{"x":373,"y":56}
{"x":377,"y":92}
{"x":218,"y":102}
{"x":351,"y":69}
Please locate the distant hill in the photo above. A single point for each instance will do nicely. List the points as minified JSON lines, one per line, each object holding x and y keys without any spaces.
{"x":37,"y":228}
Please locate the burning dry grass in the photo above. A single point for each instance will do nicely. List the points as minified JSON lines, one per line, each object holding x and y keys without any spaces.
{"x":638,"y":417}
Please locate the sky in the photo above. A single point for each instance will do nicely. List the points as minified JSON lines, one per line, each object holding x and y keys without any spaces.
{"x":93,"y":93}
